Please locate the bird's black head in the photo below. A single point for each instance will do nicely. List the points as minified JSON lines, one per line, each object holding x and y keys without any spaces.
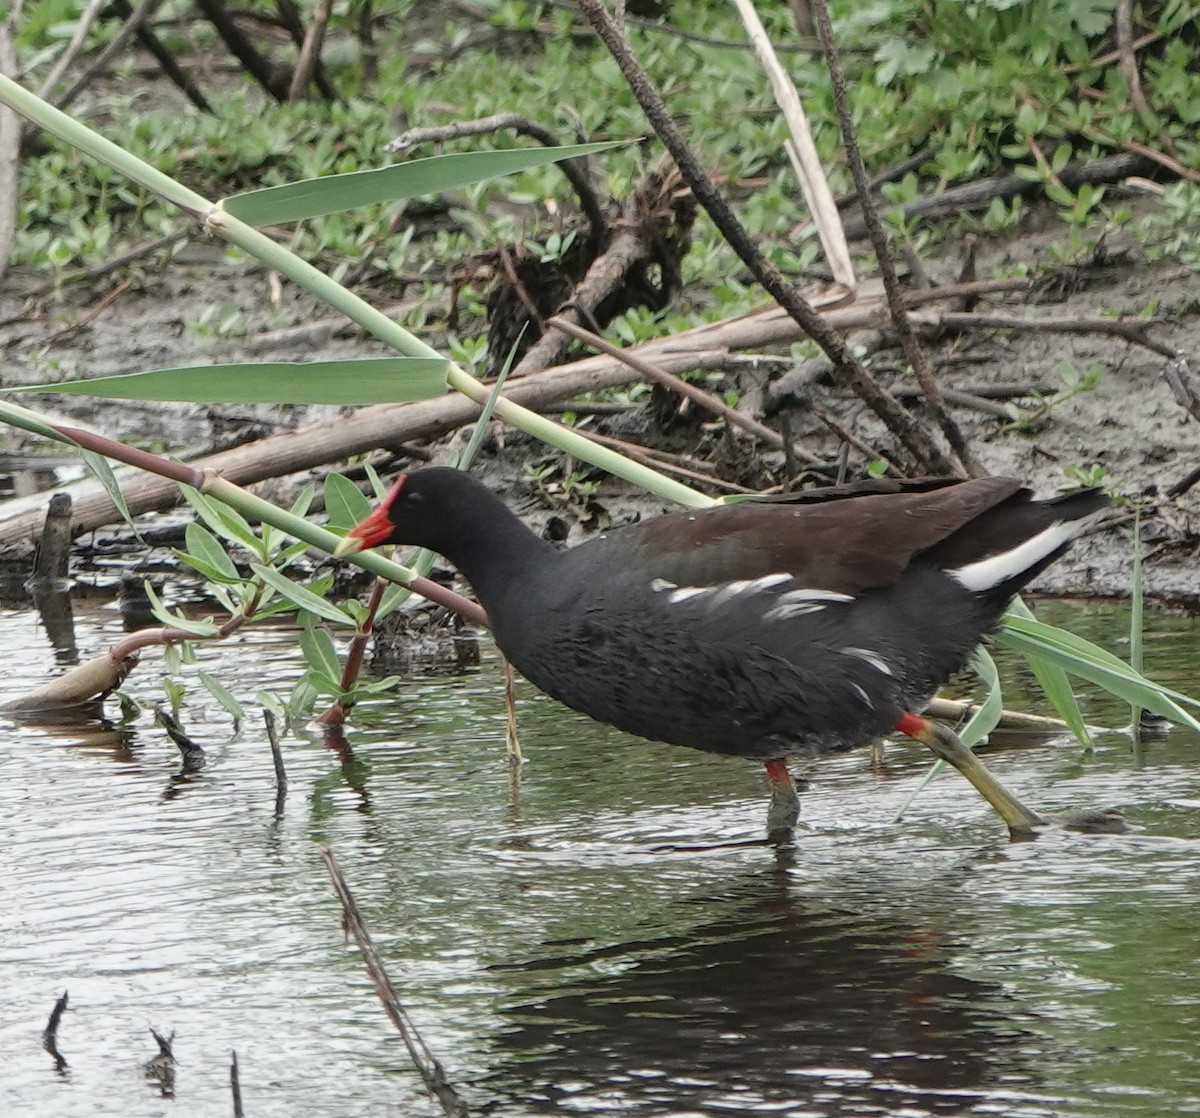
{"x":427,"y":508}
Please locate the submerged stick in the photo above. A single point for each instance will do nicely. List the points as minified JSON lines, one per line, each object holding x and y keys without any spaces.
{"x":50,"y":1033}
{"x":161,"y":1068}
{"x":428,"y":1066}
{"x":280,"y":774}
{"x":54,"y":547}
{"x":956,"y":710}
{"x":235,"y":1086}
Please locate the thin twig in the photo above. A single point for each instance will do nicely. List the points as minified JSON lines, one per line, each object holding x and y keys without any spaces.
{"x":978,"y":194}
{"x":1134,"y":147}
{"x":678,"y":384}
{"x":428,"y":1066}
{"x":914,"y":352}
{"x":1135,"y":331}
{"x":83,"y":27}
{"x":512,"y":737}
{"x":851,"y":439}
{"x":889,"y":174}
{"x":1178,"y":378}
{"x":960,"y":399}
{"x":672,"y":463}
{"x":289,"y":16}
{"x":281,"y":781}
{"x":165,"y":59}
{"x":1129,"y":68}
{"x":10,"y":152}
{"x":678,"y":32}
{"x":115,"y":264}
{"x":99,"y":64}
{"x":310,"y":51}
{"x":902,"y":424}
{"x":275,"y":83}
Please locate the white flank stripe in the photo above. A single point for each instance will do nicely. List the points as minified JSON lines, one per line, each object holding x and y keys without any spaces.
{"x":865,"y":697}
{"x":796,"y":603}
{"x":814,"y":596}
{"x":1008,"y":564}
{"x":767,"y":581}
{"x":873,"y":658}
{"x":796,"y":609}
{"x":723,"y":591}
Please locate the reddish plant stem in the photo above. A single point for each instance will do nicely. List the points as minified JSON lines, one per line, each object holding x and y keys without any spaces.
{"x":336,"y":714}
{"x":132,"y":456}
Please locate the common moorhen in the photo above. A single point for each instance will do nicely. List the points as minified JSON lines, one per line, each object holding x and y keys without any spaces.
{"x":807,"y":623}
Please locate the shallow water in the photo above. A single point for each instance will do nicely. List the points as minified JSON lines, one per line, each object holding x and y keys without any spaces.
{"x":583,"y":944}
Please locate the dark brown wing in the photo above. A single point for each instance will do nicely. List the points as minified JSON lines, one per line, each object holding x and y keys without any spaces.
{"x":846,"y":541}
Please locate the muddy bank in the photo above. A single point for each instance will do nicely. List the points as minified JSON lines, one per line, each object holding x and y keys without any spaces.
{"x":1125,"y":431}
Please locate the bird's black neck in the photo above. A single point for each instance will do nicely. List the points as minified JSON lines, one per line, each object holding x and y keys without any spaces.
{"x":493,"y":548}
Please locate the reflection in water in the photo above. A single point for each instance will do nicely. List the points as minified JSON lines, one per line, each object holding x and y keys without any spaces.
{"x":53,"y":602}
{"x":783,"y":1007}
{"x":905,"y":971}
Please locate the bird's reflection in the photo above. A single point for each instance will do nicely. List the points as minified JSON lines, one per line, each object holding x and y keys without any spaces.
{"x":789,"y":1008}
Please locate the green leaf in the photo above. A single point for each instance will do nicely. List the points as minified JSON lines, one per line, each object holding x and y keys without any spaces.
{"x":323,"y":684}
{"x":211,"y":574}
{"x":98,"y":464}
{"x":985,"y":719}
{"x":301,"y":504}
{"x":380,"y":380}
{"x":296,"y":201}
{"x":300,"y":596}
{"x":1082,"y":658}
{"x":375,"y":686}
{"x":320,"y":653}
{"x":1056,"y":684}
{"x":377,"y":483}
{"x":1136,"y":619}
{"x":175,"y":620}
{"x":489,"y":406}
{"x":228,"y":523}
{"x":303,"y":698}
{"x":223,"y":596}
{"x":345,"y":504}
{"x":223,"y":695}
{"x":395,"y":595}
{"x":1056,"y":192}
{"x":175,"y":692}
{"x":203,"y":545}
{"x":270,"y":702}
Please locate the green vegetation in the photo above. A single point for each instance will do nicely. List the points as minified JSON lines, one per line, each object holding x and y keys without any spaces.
{"x":981,"y":87}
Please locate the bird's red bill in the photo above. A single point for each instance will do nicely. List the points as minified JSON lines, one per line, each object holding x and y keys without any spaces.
{"x":376,"y":528}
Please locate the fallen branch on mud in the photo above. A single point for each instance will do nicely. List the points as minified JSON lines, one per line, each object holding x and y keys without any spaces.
{"x":387,"y":425}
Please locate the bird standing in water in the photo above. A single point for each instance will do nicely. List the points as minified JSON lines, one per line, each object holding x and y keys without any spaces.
{"x":804,"y":624}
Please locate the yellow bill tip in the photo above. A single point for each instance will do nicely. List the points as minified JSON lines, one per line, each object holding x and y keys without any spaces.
{"x":347,"y":545}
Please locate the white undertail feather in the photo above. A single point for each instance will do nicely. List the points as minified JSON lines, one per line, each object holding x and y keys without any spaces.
{"x":991,"y":572}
